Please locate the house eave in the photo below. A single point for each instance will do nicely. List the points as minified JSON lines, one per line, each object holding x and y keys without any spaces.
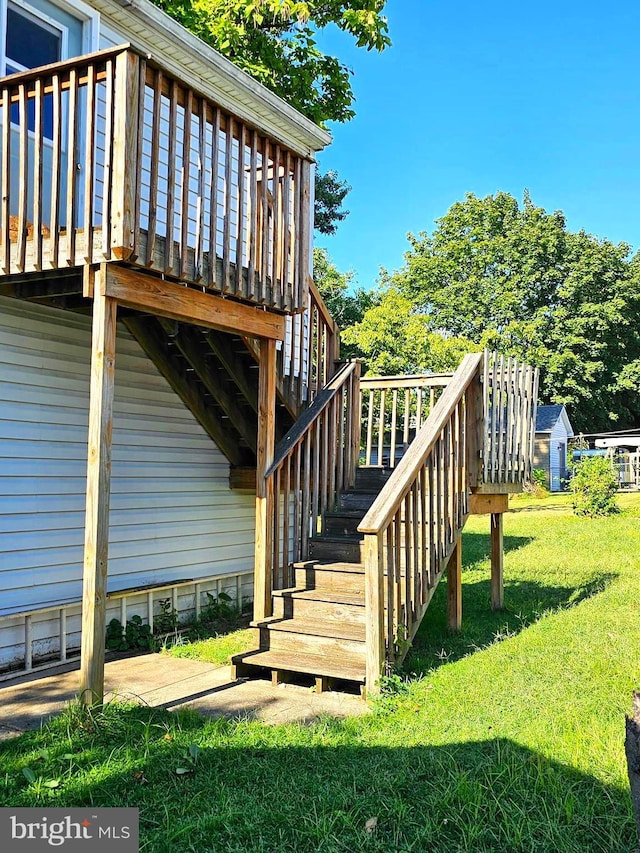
{"x":150,"y":30}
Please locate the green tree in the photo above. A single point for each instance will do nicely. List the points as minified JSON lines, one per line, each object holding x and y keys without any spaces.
{"x":330,"y":192}
{"x":514,"y":278}
{"x":276,"y":42}
{"x":346,"y":303}
{"x":393,"y":338}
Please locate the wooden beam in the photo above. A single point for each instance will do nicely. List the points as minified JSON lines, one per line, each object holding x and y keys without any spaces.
{"x":125,"y":156}
{"x":497,"y":562}
{"x":242,"y":479}
{"x":263,"y":604}
{"x":149,"y":335}
{"x":483,"y":504}
{"x":96,"y":535}
{"x":454,"y":587}
{"x":149,"y":293}
{"x":187,"y":342}
{"x":374,"y":611}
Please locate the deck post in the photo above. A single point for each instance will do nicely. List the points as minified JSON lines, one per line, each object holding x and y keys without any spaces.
{"x":454,"y":587}
{"x":125,"y":155}
{"x":262,"y":607}
{"x":374,"y":610}
{"x":96,"y":534}
{"x":497,"y":561}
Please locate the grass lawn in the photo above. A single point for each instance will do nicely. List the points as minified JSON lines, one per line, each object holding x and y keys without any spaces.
{"x":508,"y":737}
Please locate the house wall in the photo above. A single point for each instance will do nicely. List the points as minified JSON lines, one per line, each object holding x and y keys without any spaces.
{"x":173,"y":515}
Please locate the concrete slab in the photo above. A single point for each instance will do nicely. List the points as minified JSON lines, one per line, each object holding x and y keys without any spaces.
{"x":162,"y":681}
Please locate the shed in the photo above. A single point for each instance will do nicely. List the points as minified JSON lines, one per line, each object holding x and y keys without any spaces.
{"x":553,"y":430}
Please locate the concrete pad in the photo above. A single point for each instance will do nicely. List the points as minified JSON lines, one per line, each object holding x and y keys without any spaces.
{"x":163,"y":681}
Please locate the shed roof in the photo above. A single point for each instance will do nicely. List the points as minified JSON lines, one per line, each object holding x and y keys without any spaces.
{"x":548,"y":416}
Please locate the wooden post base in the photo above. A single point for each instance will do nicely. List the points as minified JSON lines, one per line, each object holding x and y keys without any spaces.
{"x":454,"y":587}
{"x":497,"y":562}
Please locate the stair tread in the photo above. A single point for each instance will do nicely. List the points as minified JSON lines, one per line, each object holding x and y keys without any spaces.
{"x":338,"y":538}
{"x":344,"y":513}
{"x":328,"y":595}
{"x":313,"y":627}
{"x":346,"y":669}
{"x":331,"y":566}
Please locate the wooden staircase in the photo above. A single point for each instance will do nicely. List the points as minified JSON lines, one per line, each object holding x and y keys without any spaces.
{"x":348,"y":558}
{"x":318,"y":624}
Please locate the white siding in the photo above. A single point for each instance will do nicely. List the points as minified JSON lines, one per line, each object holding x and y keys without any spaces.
{"x":172,"y":513}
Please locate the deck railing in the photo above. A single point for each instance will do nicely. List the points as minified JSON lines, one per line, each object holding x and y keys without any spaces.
{"x":478,"y":435}
{"x":108,"y":156}
{"x":312,"y":464}
{"x":393,"y":408}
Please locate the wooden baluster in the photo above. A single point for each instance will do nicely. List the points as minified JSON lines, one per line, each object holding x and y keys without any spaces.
{"x":137,"y":209}
{"x":279,"y":516}
{"x":38,"y":149}
{"x":276,"y":275}
{"x":500,"y":424}
{"x":6,"y":181}
{"x":228,"y":196}
{"x":72,"y":172}
{"x":213,"y":209}
{"x":307,"y":511}
{"x":264,"y":198}
{"x":390,"y":590}
{"x":288,"y":303}
{"x":108,"y":159}
{"x":252,"y":217}
{"x":267,"y":500}
{"x":394,"y":417}
{"x":202,"y":189}
{"x":23,"y":177}
{"x":169,"y":248}
{"x":425,"y":527}
{"x":396,"y":604}
{"x":324,"y":473}
{"x":532,"y":421}
{"x":155,"y":162}
{"x":296,"y":233}
{"x":381,"y":428}
{"x":185,"y":189}
{"x":89,"y":165}
{"x":56,"y":168}
{"x":418,"y":409}
{"x":315,"y":495}
{"x":408,"y":561}
{"x":407,"y":418}
{"x":415,"y":583}
{"x":297,"y":503}
{"x":240,"y":287}
{"x":367,"y":458}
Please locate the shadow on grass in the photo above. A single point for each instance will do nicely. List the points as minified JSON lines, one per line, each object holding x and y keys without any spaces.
{"x":525,"y":603}
{"x":309,"y":790}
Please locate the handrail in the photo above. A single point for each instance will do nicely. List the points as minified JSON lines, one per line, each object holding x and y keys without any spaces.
{"x":312,"y":464}
{"x":412,"y":528}
{"x":305,"y":421}
{"x":407,"y":380}
{"x":399,"y":483}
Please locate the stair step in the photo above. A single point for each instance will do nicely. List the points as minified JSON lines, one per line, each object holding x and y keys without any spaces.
{"x":330,"y":639}
{"x":313,"y":628}
{"x":372,"y":478}
{"x":316,"y":665}
{"x":346,"y":549}
{"x":352,"y":501}
{"x":343,"y":522}
{"x":322,"y":604}
{"x":333,"y":576}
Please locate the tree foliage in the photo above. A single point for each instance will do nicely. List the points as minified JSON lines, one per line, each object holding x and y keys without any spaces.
{"x":330,"y":192}
{"x":276,"y":42}
{"x":594,"y":486}
{"x":347,"y":304}
{"x":514,"y":278}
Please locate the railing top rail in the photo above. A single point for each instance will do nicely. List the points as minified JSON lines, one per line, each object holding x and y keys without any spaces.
{"x":286,"y":444}
{"x":406,"y":380}
{"x":85,"y":59}
{"x":398,"y":484}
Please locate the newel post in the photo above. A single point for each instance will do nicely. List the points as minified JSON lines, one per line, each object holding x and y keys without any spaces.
{"x":124,"y":175}
{"x":263,"y":572}
{"x":475,"y":431}
{"x":374,"y":609}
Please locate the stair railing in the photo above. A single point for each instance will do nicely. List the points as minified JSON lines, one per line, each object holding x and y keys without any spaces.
{"x":413,"y":526}
{"x":393,"y":410}
{"x":312,"y":464}
{"x":510,"y":392}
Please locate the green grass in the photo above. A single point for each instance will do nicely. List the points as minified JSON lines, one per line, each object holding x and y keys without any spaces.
{"x":508,"y":737}
{"x":218,"y":650}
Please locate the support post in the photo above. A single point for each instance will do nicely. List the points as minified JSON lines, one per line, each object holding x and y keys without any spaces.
{"x":497,"y":561}
{"x":454,"y":587}
{"x":125,"y":154}
{"x":374,"y":610}
{"x":263,"y":572}
{"x":96,"y":533}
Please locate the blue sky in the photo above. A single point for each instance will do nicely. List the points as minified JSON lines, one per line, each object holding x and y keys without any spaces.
{"x":480,"y":97}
